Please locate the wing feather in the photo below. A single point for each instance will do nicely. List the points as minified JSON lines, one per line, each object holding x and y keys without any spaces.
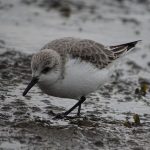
{"x":88,"y":50}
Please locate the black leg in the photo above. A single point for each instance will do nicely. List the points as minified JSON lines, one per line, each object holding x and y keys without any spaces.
{"x":82,"y":99}
{"x":79,"y":110}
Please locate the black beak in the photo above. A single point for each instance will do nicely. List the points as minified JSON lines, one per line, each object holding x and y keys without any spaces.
{"x":30,"y":85}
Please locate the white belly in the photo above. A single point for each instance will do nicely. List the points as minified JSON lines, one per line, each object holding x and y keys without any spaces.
{"x":80,"y":79}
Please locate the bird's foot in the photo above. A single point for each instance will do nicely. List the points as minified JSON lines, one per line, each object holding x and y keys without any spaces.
{"x":59,"y":116}
{"x":78,"y":114}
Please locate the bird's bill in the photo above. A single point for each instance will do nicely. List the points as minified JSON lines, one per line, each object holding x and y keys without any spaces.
{"x":30,"y":85}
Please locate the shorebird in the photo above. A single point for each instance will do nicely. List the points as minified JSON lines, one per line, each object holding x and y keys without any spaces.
{"x":73,"y":68}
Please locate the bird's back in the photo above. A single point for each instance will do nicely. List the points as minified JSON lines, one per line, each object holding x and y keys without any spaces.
{"x":88,"y":50}
{"x":82,"y":49}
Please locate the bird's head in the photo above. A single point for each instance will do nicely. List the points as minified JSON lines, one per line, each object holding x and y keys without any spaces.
{"x":45,"y":66}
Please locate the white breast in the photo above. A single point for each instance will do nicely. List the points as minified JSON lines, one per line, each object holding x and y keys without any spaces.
{"x":80,"y":79}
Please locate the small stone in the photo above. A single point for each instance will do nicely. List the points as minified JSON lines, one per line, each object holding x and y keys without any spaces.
{"x":137,"y":91}
{"x":99,"y":143}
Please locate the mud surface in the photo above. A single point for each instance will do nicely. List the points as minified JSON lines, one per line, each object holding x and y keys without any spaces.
{"x":108,"y":119}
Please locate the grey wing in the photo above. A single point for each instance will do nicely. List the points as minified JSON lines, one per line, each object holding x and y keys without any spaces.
{"x":84,"y":50}
{"x":93,"y":52}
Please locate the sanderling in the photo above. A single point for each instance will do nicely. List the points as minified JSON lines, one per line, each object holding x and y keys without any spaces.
{"x":72,"y":68}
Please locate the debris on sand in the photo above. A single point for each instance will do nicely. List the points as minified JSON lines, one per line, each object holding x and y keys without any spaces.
{"x":136,"y":121}
{"x":144,"y":86}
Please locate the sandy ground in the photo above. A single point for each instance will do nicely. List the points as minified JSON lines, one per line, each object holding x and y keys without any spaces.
{"x":107,"y":115}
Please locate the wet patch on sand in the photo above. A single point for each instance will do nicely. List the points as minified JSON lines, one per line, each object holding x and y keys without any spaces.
{"x":26,"y":123}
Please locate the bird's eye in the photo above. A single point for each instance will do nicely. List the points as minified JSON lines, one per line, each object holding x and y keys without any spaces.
{"x":45,"y":70}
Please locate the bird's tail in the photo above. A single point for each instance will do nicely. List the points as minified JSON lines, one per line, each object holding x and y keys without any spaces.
{"x":120,"y":49}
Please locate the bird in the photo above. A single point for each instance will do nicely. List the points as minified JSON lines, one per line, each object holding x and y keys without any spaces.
{"x":73,"y":68}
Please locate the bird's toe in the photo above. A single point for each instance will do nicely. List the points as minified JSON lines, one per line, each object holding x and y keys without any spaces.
{"x":59,"y":116}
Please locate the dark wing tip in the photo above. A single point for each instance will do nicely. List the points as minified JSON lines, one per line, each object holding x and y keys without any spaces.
{"x":132,"y":44}
{"x":119,"y":49}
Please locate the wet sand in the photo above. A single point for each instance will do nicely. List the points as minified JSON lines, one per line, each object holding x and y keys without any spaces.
{"x":106,"y":120}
